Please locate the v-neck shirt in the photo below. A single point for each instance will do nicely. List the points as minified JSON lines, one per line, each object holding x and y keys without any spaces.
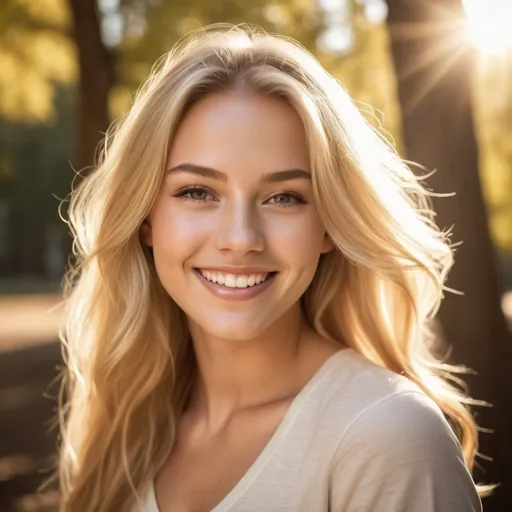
{"x":356,"y":438}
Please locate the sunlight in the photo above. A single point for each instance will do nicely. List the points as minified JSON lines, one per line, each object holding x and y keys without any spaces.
{"x":489,"y":25}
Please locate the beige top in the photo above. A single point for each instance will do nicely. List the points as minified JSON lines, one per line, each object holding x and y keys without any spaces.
{"x":357,"y":438}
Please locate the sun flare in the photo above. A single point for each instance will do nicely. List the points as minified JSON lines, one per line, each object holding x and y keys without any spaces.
{"x":489,"y":25}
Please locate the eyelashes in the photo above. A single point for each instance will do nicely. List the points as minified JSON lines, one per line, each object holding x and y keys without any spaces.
{"x":294,"y":198}
{"x":200,"y":194}
{"x":192,"y":192}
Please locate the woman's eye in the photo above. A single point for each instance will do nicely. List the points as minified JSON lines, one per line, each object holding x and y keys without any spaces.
{"x":286,"y":199}
{"x":194,"y":193}
{"x":201,"y":194}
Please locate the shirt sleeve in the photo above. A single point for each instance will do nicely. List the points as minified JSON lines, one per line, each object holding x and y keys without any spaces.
{"x":400,"y":455}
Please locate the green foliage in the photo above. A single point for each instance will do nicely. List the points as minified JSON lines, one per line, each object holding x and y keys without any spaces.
{"x":493,"y":113}
{"x":366,"y":71}
{"x":36,"y":166}
{"x":35,"y":174}
{"x":36,"y":55}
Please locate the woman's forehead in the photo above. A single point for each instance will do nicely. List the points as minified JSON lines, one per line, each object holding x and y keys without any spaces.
{"x":233,"y":130}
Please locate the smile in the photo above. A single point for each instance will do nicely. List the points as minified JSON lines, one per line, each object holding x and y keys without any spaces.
{"x":234,"y":280}
{"x":229,"y":286}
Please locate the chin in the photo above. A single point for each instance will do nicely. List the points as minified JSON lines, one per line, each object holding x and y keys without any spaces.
{"x":236,"y":330}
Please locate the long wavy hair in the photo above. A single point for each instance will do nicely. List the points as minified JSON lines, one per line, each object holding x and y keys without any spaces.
{"x":130,"y":362}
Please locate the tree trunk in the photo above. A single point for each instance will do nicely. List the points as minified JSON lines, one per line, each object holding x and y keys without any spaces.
{"x":96,"y":79}
{"x":433,"y":67}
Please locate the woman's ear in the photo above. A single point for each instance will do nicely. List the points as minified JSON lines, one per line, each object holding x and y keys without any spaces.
{"x":146,"y":234}
{"x":327,"y":244}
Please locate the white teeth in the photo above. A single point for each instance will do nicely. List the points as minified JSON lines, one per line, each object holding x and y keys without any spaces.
{"x":241,"y":282}
{"x":232,"y":280}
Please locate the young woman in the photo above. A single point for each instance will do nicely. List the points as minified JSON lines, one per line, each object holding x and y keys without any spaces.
{"x":248,"y":319}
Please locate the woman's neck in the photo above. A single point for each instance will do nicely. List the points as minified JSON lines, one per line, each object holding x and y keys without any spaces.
{"x":238,"y":375}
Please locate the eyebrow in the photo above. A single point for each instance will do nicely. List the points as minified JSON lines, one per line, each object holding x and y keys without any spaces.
{"x":208,"y":172}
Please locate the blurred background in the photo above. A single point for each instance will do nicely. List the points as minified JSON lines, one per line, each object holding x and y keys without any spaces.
{"x":434,"y":76}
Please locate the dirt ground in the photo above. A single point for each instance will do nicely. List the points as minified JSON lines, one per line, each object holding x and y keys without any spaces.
{"x":29,"y":361}
{"x":28,"y":320}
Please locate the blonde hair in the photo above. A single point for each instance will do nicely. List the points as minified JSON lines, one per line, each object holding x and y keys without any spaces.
{"x":130,"y":363}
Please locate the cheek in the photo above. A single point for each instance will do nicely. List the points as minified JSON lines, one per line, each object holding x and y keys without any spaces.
{"x":299,"y":241}
{"x":304,"y":230}
{"x":175,"y":235}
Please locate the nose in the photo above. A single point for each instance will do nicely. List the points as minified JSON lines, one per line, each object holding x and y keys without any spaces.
{"x":240,"y":229}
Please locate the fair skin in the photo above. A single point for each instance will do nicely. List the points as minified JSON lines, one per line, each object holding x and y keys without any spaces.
{"x":244,"y":217}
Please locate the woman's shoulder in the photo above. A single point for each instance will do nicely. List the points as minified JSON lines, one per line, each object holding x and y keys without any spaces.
{"x":393,"y":445}
{"x":362,"y":395}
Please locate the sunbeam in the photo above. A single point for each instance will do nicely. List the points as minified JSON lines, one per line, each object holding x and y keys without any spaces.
{"x":489,"y":25}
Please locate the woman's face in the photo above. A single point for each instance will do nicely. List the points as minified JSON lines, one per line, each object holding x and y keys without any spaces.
{"x":236,"y":207}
